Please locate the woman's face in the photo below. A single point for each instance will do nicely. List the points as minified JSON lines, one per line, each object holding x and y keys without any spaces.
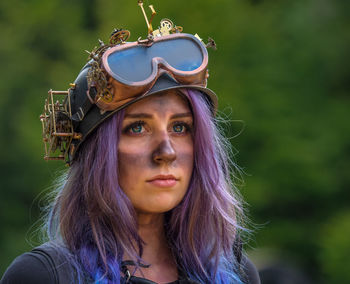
{"x":156,"y":152}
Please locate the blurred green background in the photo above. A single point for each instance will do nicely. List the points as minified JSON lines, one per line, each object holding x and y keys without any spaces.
{"x":282,"y":74}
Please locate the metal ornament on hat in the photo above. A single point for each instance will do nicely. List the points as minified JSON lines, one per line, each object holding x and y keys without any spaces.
{"x":57,"y":125}
{"x":96,"y":76}
{"x":166,"y":26}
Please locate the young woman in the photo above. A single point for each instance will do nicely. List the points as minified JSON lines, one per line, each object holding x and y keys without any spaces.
{"x":148,"y":197}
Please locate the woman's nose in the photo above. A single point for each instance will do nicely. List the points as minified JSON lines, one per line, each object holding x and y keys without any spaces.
{"x":164,"y":152}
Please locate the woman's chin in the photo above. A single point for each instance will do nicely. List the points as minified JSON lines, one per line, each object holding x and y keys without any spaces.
{"x":158,"y":205}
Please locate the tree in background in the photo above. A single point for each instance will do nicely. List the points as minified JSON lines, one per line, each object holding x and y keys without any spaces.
{"x":281,"y":66}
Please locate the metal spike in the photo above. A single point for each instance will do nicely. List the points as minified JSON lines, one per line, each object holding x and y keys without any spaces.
{"x":211,"y":43}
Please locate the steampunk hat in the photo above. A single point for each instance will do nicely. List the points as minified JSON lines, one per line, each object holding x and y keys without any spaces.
{"x":118,"y":74}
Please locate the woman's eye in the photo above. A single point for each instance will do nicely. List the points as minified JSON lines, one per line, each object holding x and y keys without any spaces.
{"x":181,"y":127}
{"x":135,"y":128}
{"x":178,"y":128}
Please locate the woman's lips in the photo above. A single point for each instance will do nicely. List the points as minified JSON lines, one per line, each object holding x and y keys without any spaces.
{"x":163,"y":181}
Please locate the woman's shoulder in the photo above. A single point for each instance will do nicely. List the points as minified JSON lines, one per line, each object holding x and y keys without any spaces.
{"x":44,"y":264}
{"x":28,"y":268}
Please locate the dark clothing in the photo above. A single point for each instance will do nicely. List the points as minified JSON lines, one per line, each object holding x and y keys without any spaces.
{"x":250,"y":272}
{"x":44,"y":265}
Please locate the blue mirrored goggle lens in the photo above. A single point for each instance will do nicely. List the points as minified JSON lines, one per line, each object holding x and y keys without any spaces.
{"x":134,"y":64}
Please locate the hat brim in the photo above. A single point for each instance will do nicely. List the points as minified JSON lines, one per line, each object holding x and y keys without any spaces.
{"x":166,"y":83}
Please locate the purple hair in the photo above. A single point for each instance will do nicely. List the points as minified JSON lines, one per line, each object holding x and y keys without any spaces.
{"x":95,"y":223}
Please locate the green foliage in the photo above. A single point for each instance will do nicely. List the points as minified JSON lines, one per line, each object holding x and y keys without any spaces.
{"x":334,"y":247}
{"x":281,"y":68}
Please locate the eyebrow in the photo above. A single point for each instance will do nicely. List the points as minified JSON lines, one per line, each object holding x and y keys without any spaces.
{"x":138,"y":115}
{"x":148,"y":115}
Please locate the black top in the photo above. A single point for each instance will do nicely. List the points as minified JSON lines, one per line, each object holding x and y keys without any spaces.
{"x":44,"y":265}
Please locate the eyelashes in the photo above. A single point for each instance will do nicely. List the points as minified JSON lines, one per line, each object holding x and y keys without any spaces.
{"x":138,"y":127}
{"x":181,"y":127}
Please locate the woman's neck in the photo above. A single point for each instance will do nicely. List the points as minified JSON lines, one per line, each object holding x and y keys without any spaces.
{"x":151,"y":231}
{"x":156,"y":251}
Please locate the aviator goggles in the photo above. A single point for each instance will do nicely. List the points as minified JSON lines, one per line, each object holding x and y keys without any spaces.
{"x":134,"y":67}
